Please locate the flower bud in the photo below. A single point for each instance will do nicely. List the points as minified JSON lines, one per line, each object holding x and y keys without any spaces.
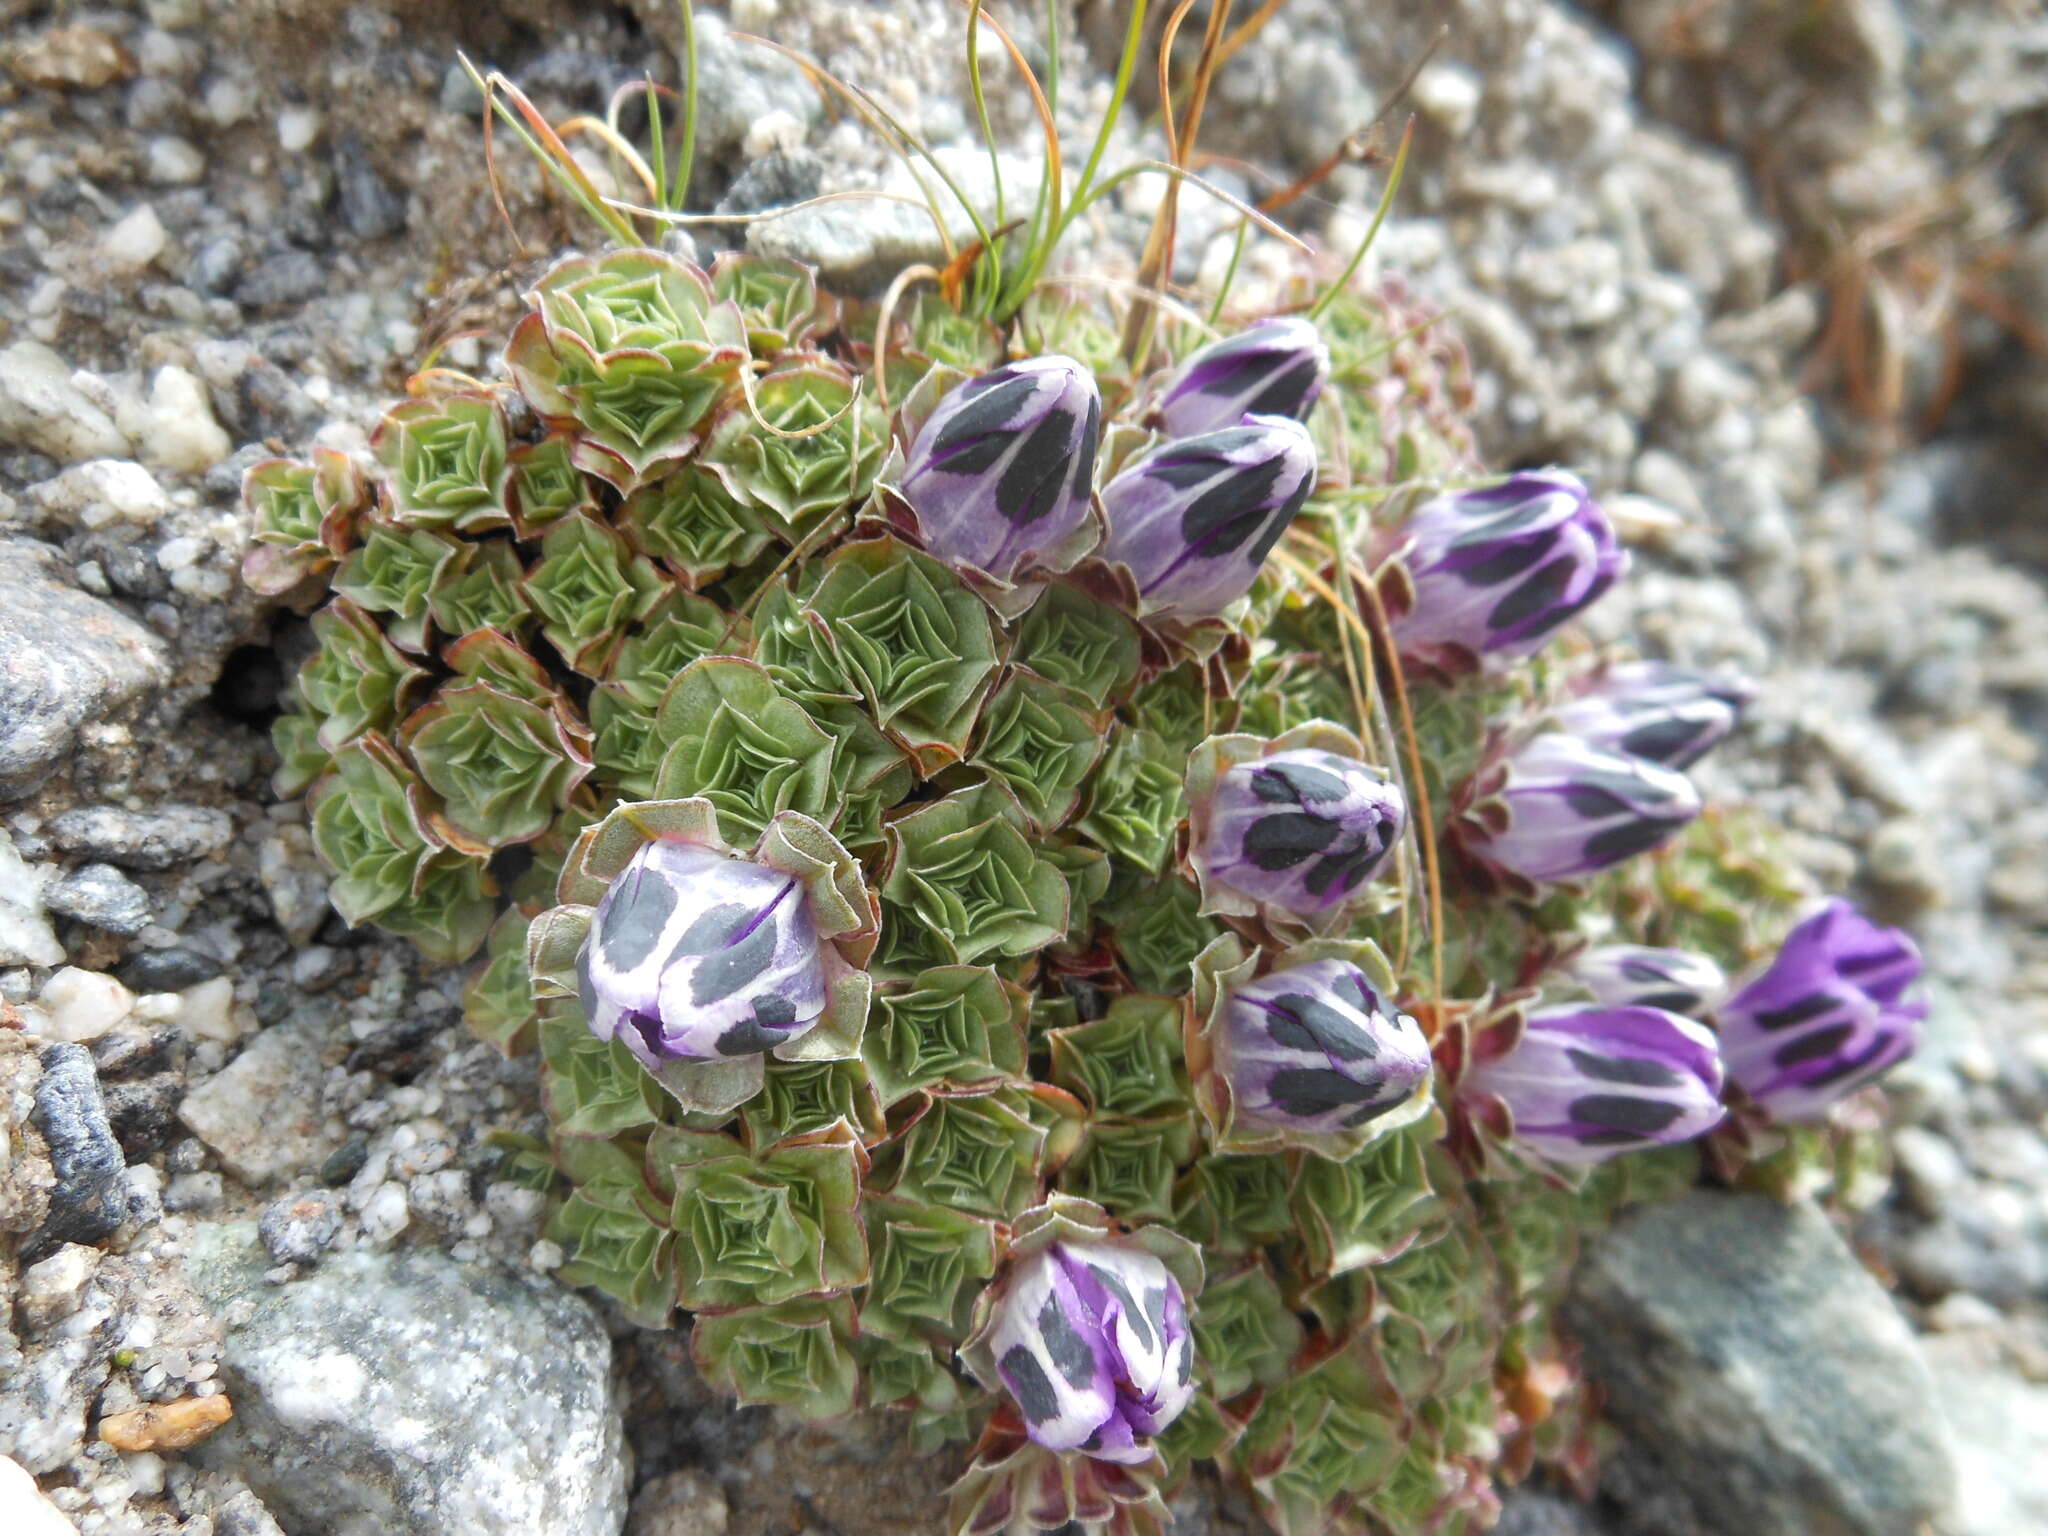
{"x":1583,"y":1084}
{"x":695,"y":956}
{"x":1496,"y":570}
{"x":1276,"y":368}
{"x":1002,"y":470}
{"x":1317,"y":1047}
{"x":1827,"y":1016}
{"x":1194,"y":519}
{"x":1665,"y":714}
{"x":1575,"y":809}
{"x":1302,"y":830}
{"x":1092,"y":1341}
{"x":1639,"y":976}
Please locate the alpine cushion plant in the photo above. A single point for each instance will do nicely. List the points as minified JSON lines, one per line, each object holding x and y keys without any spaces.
{"x":982,"y":825}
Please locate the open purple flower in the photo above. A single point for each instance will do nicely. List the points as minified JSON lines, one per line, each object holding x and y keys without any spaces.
{"x":1002,"y":471}
{"x":1637,"y":975}
{"x":1584,"y":1084}
{"x":1317,"y":1047}
{"x":1195,"y":518}
{"x":1275,"y":368}
{"x":1827,"y":1016}
{"x":1302,"y":830}
{"x":1573,"y":809}
{"x":1666,"y":714}
{"x":1496,"y":570}
{"x":696,"y":956}
{"x":1091,"y":1339}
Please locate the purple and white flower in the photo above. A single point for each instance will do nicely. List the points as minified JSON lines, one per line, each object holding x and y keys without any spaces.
{"x":696,"y":956}
{"x":1275,"y":368}
{"x":1316,"y":1047}
{"x":1002,"y":471}
{"x":1091,"y":1340}
{"x":1584,"y":1084}
{"x":1641,"y":976}
{"x":1496,"y":570}
{"x":1302,"y":830}
{"x":1574,"y":809}
{"x":1828,"y":1015}
{"x":1649,"y":709}
{"x":1195,"y":518}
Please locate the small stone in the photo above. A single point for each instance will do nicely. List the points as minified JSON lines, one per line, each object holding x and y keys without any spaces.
{"x":102,"y":896}
{"x":686,"y":1503}
{"x":297,"y":128}
{"x":298,"y":1228}
{"x":282,"y":281}
{"x":244,"y":1515}
{"x":28,"y":1512}
{"x":194,"y":1192}
{"x":25,"y":934}
{"x":175,"y":427}
{"x":207,"y":1011}
{"x":175,"y":162}
{"x":83,"y":1005}
{"x":385,"y":1214}
{"x":90,"y":1197}
{"x":102,"y":491}
{"x":261,"y":1114}
{"x":42,"y":408}
{"x":134,"y":240}
{"x":144,"y":1113}
{"x":167,"y":1426}
{"x":292,"y":877}
{"x":1930,"y":1169}
{"x":51,"y":1289}
{"x":168,"y":970}
{"x":74,"y":58}
{"x":371,"y":209}
{"x":154,"y":840}
{"x":1449,"y":96}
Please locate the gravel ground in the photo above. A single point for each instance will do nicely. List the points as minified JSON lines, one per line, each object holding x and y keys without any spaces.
{"x":1774,"y":277}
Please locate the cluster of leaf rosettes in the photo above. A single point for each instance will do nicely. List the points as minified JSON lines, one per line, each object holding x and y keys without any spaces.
{"x":660,"y":560}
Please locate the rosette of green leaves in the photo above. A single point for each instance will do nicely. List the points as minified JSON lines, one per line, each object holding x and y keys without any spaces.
{"x":958,"y":1025}
{"x":302,"y":516}
{"x":911,"y":1373}
{"x":543,"y":482}
{"x":1174,"y":707}
{"x":1127,"y":1063}
{"x":978,"y":1153}
{"x":803,"y":443}
{"x":1080,"y":641}
{"x":962,"y":881}
{"x":1285,"y":691}
{"x":678,"y":630}
{"x":777,"y":297}
{"x":1234,"y":1204}
{"x":1135,"y":804}
{"x":444,"y":462}
{"x":592,"y":1087}
{"x":1087,"y":872}
{"x":1158,"y":929}
{"x":732,"y":737}
{"x":763,"y":1228}
{"x":613,"y":1233}
{"x":929,"y":1263}
{"x":1368,"y":1209}
{"x":801,"y":1099}
{"x":493,"y":657}
{"x":1129,"y":1166}
{"x":1041,"y":741}
{"x":623,"y":746}
{"x":503,"y":765}
{"x":1445,"y":1292}
{"x":898,"y":631}
{"x":690,"y":522}
{"x":796,"y":1354}
{"x":497,"y":1001}
{"x":589,"y":588}
{"x":1245,"y":1333}
{"x":371,"y":827}
{"x":480,"y":589}
{"x":357,"y":681}
{"x":394,"y":571}
{"x":632,"y":349}
{"x":1321,"y":1442}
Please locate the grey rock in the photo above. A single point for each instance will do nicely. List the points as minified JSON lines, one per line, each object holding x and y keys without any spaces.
{"x":775,"y":180}
{"x":406,"y":1395}
{"x":25,"y":934}
{"x":1528,"y":1512}
{"x":281,"y":281}
{"x":2001,"y":1434}
{"x":90,"y":1198}
{"x":168,"y":970}
{"x":215,"y":265}
{"x":41,"y":408}
{"x":738,"y":84}
{"x":102,"y":896}
{"x":261,"y":1114}
{"x":297,"y":1228}
{"x":1743,"y":1349}
{"x":65,"y":658}
{"x":244,"y":1515}
{"x":160,"y":839}
{"x":143,"y":1114}
{"x":371,"y":208}
{"x":686,"y":1503}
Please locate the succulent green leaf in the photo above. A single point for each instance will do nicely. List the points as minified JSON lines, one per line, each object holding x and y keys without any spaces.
{"x":958,"y":1025}
{"x":394,"y":571}
{"x":624,"y":746}
{"x":1128,"y":1166}
{"x":1128,"y":1062}
{"x":1158,"y":929}
{"x":1079,"y":641}
{"x":357,"y":681}
{"x":543,"y":483}
{"x":480,"y":589}
{"x":1320,"y":1443}
{"x":977,"y":1154}
{"x":962,"y":871}
{"x":735,"y":739}
{"x":588,"y":588}
{"x":490,"y":656}
{"x":941,"y":332}
{"x":504,"y":766}
{"x":1370,"y":1208}
{"x":680,"y":629}
{"x":1245,"y":1333}
{"x":444,"y":462}
{"x":1175,"y":707}
{"x":497,"y":1004}
{"x":905,"y":1372}
{"x":690,"y":522}
{"x":300,"y":757}
{"x":616,"y":1244}
{"x":1135,"y":804}
{"x":1236,"y":1203}
{"x":594,"y":1087}
{"x":797,"y":1355}
{"x":777,"y":297}
{"x":929,"y":1264}
{"x":1040,"y":743}
{"x":450,"y":910}
{"x":756,"y":1230}
{"x":302,"y":517}
{"x":803,"y":1098}
{"x":805,"y":446}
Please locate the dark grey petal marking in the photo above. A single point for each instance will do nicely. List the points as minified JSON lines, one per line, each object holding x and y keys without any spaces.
{"x":1184,"y":1363}
{"x":748,"y":1038}
{"x":1271,"y":786}
{"x":1284,"y":839}
{"x":1304,"y":1023}
{"x":774,"y":1012}
{"x":1069,"y":1351}
{"x":710,"y":931}
{"x":1277,"y":524}
{"x":1812,"y":1006}
{"x":719,"y":976}
{"x":1508,"y":561}
{"x":1822,"y":1042}
{"x":633,"y":924}
{"x":1538,"y":595}
{"x":1288,"y":393}
{"x":1671,"y":1002}
{"x":586,"y":989}
{"x":1853,"y":1066}
{"x":1084,"y":451}
{"x":1029,"y":1384}
{"x":1155,"y":1309}
{"x":1625,"y":842}
{"x":986,"y":412}
{"x":1030,"y":488}
{"x":1622,"y":1069}
{"x":975,"y":457}
{"x":1502,"y":524}
{"x":1662,"y":741}
{"x":1311,"y":1091}
{"x":1132,"y":1316}
{"x":1624,"y":1112}
{"x":1309,"y":783}
{"x":1229,"y":512}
